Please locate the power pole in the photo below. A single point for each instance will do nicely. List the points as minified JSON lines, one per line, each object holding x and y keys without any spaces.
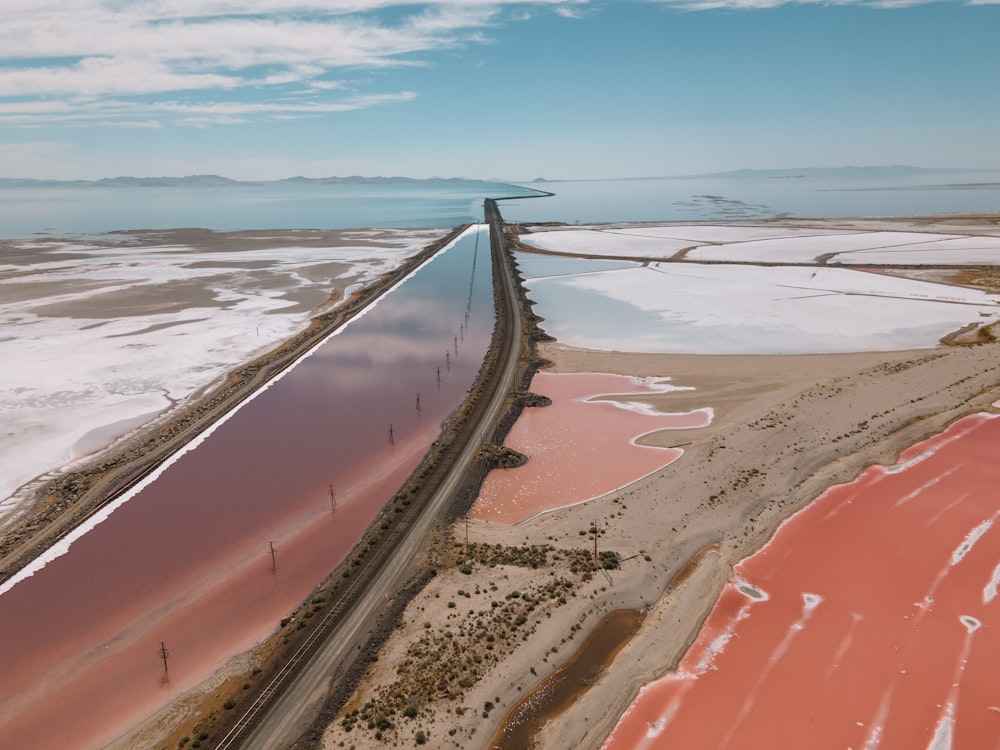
{"x":163,"y":654}
{"x":333,"y":498}
{"x":392,"y":439}
{"x":274,"y":562}
{"x":418,"y":402}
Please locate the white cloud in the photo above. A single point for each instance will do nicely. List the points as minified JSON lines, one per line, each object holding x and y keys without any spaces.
{"x":694,"y":5}
{"x":201,"y":114}
{"x":94,"y":59}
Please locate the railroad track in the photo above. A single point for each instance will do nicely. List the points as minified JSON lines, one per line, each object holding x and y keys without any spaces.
{"x":275,"y":718}
{"x":347,"y":599}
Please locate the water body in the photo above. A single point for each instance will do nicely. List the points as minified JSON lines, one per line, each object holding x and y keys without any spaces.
{"x":581,"y":446}
{"x":732,"y":198}
{"x":80,"y":210}
{"x":74,"y":210}
{"x":186,"y":561}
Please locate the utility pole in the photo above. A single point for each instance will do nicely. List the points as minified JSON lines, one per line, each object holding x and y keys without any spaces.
{"x":418,"y":402}
{"x":274,"y":561}
{"x":392,"y":438}
{"x":333,"y":498}
{"x":447,"y":359}
{"x":163,"y":654}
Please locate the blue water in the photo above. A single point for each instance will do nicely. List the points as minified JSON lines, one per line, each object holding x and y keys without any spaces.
{"x":729,"y":198}
{"x":72,"y":210}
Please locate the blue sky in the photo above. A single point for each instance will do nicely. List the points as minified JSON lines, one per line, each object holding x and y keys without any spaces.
{"x":264,"y":89}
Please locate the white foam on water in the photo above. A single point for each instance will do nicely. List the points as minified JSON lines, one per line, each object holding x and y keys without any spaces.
{"x":990,"y":589}
{"x":971,"y":538}
{"x":912,"y":495}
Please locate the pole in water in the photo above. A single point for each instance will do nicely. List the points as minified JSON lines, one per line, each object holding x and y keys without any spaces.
{"x":163,"y":654}
{"x":418,"y":402}
{"x":447,"y":360}
{"x":333,"y":498}
{"x":274,"y":562}
{"x":456,"y":345}
{"x":392,"y":439}
{"x":439,"y":377}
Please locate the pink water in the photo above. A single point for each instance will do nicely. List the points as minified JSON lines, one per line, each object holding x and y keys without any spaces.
{"x":187,"y":560}
{"x":871,"y":620}
{"x":579,"y":448}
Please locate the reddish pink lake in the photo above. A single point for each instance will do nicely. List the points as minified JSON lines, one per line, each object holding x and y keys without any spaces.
{"x":580,"y":448}
{"x":870,"y":620}
{"x":186,"y":561}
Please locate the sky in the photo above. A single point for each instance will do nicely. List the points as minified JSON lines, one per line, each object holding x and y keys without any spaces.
{"x":500,"y":89}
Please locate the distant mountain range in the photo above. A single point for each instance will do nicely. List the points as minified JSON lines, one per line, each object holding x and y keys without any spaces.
{"x":214,"y":180}
{"x":887,"y":172}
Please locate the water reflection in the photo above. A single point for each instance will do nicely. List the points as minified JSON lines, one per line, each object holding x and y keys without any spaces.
{"x":187,"y":561}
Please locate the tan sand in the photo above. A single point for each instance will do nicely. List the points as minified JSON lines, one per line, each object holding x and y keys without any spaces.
{"x":786,"y":428}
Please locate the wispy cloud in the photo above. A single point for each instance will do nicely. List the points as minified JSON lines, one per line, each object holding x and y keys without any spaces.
{"x":106,"y":61}
{"x":126,"y":113}
{"x":695,"y":5}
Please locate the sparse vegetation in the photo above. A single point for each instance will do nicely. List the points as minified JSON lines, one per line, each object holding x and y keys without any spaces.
{"x":443,"y":662}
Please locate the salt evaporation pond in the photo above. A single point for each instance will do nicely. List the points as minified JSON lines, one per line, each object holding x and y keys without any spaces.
{"x":733,"y":309}
{"x":868,"y":621}
{"x":186,"y":561}
{"x":580,"y":447}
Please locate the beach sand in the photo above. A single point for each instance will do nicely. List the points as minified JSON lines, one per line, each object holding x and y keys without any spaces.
{"x":785,"y":429}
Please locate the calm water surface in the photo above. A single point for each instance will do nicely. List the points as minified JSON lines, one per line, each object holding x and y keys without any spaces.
{"x":80,"y":210}
{"x":187,"y":560}
{"x":84,"y":210}
{"x":728,"y":198}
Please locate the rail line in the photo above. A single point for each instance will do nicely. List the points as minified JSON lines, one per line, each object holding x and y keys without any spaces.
{"x":376,"y":579}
